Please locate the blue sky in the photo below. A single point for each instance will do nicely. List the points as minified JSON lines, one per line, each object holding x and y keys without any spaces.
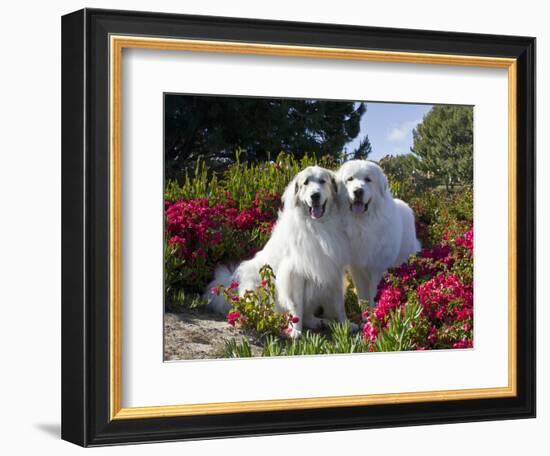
{"x":389,"y":126}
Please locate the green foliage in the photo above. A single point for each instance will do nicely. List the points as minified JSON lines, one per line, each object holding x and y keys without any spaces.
{"x":212,"y":127}
{"x":351,"y":303}
{"x":340,"y":340}
{"x":405,"y":175}
{"x":177,"y":275}
{"x":234,"y":349}
{"x":343,"y":341}
{"x":443,"y":143}
{"x":438,"y":212}
{"x":242,"y":179}
{"x":255,"y":309}
{"x":273,"y":346}
{"x":177,"y":299}
{"x":363,"y":150}
{"x":404,"y":328}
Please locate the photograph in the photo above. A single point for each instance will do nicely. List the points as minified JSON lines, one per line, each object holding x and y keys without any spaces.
{"x":268,"y":227}
{"x":316,"y":227}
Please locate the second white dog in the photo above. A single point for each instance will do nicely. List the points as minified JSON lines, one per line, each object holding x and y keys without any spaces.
{"x":380,"y":229}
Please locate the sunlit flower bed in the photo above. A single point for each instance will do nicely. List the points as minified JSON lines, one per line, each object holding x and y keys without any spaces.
{"x":436,"y":288}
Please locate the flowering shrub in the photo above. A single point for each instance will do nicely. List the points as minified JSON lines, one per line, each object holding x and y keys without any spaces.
{"x":426,"y":303}
{"x":439,"y":213}
{"x":200,"y":235}
{"x":256,"y":308}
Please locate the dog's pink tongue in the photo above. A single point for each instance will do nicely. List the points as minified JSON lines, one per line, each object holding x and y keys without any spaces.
{"x":317,"y":212}
{"x":357,"y":207}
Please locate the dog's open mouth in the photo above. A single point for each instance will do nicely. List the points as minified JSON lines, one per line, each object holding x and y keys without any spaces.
{"x":317,"y":210}
{"x":358,"y":207}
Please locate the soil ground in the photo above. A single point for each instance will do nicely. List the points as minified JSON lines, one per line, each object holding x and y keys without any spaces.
{"x":197,"y":334}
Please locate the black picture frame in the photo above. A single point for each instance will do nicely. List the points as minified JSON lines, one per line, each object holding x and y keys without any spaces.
{"x":85,"y":227}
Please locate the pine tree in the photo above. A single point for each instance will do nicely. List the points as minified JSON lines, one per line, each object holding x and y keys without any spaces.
{"x":214,"y":127}
{"x":363,"y":150}
{"x":443,"y":143}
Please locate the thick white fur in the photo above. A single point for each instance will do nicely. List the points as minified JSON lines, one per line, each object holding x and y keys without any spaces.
{"x":382,"y":234}
{"x":307,"y":253}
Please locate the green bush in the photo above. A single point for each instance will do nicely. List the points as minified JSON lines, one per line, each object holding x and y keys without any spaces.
{"x":255,"y":309}
{"x":242,"y":180}
{"x":405,"y":177}
{"x":439,"y":212}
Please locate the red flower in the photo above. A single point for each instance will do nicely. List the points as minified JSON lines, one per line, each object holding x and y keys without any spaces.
{"x":432,"y":336}
{"x":444,"y":293}
{"x":464,"y":343}
{"x":233,"y":285}
{"x":233,"y":318}
{"x":389,"y":299}
{"x":370,"y":332}
{"x":466,"y":240}
{"x":445,"y":296}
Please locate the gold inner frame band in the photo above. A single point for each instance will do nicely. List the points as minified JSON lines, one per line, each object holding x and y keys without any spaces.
{"x":117,"y":44}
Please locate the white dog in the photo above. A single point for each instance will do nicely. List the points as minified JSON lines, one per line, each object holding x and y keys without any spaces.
{"x":381,"y":230}
{"x":307,"y":251}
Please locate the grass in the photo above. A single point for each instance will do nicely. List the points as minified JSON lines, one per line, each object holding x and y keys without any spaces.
{"x":398,"y":336}
{"x":340,"y":340}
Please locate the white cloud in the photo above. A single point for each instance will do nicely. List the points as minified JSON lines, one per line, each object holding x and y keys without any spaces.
{"x":400,"y":132}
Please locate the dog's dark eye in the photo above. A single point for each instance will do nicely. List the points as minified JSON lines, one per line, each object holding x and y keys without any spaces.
{"x":350,"y":179}
{"x":306,"y":182}
{"x":322,"y":181}
{"x":367,"y":179}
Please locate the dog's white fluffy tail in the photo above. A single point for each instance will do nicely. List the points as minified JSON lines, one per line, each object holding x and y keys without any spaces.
{"x":223,"y":275}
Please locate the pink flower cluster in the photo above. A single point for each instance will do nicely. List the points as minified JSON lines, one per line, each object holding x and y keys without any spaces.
{"x":466,"y":240}
{"x":206,"y":233}
{"x":370,"y":331}
{"x":446,"y":299}
{"x":440,"y":279}
{"x":233,"y":318}
{"x":194,"y":226}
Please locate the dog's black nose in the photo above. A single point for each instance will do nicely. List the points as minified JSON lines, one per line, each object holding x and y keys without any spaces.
{"x":358,"y":193}
{"x":315,"y":197}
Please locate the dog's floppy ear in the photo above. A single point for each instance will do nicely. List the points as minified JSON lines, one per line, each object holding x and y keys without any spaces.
{"x":290,"y":195}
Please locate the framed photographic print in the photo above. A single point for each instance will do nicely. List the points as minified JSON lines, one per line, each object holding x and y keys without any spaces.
{"x":277,"y":227}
